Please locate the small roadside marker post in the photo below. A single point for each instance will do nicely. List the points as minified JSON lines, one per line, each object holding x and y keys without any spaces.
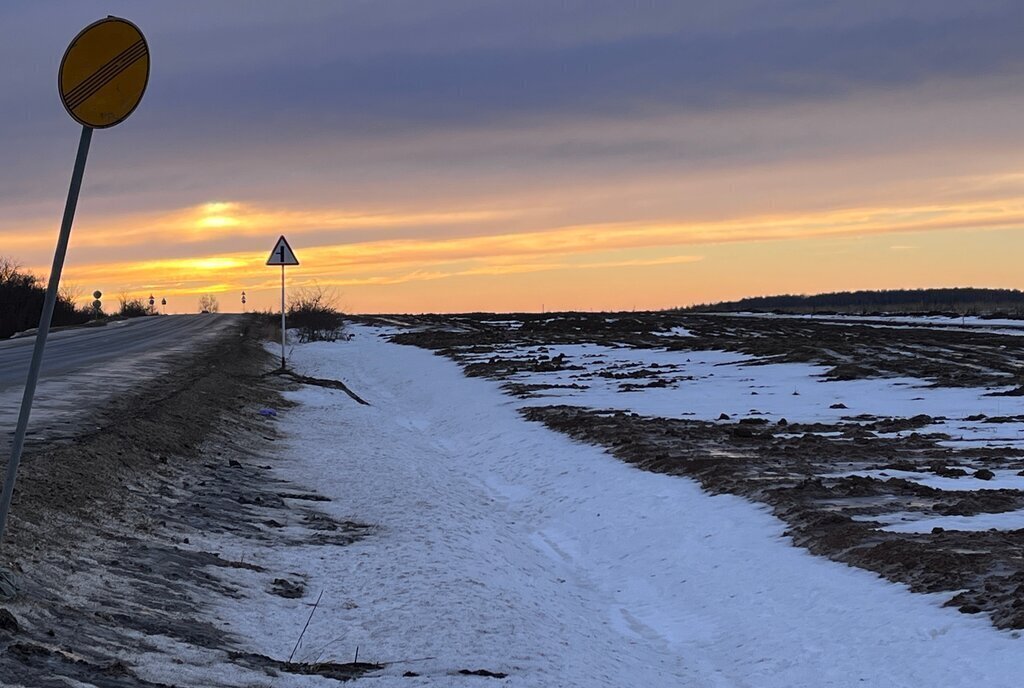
{"x":282,"y":255}
{"x":101,"y":81}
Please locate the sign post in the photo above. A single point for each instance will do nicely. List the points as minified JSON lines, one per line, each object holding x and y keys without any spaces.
{"x":101,"y":81}
{"x":282,"y":255}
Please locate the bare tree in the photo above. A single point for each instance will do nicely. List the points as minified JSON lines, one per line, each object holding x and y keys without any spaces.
{"x":208,"y":304}
{"x":69,"y":293}
{"x":9,"y":268}
{"x":22,"y":295}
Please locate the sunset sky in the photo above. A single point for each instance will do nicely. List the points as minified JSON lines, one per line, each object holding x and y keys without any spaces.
{"x":457,"y":155}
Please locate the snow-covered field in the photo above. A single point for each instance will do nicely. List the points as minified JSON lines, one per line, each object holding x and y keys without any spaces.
{"x":704,"y":384}
{"x":701,"y":385}
{"x":504,"y":546}
{"x":1013,"y":326}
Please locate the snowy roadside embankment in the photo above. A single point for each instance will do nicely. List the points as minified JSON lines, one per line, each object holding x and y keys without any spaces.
{"x":504,"y":546}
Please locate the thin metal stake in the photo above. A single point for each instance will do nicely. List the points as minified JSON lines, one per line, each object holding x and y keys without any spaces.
{"x":44,"y":327}
{"x":282,"y":317}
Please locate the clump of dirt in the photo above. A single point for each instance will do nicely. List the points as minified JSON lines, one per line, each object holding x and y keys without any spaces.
{"x":482,"y":672}
{"x":505,"y":367}
{"x":339,"y":671}
{"x":8,"y":622}
{"x":282,"y":587}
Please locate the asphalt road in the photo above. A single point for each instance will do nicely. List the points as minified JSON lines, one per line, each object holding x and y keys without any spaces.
{"x":83,"y":367}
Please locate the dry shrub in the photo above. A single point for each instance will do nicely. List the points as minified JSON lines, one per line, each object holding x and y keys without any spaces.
{"x":314,"y":312}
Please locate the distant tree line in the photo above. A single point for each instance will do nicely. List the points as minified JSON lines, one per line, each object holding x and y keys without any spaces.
{"x":21,"y":301}
{"x":952,"y":301}
{"x":22,"y":295}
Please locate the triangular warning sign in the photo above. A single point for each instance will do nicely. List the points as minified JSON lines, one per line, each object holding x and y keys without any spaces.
{"x":282,"y":254}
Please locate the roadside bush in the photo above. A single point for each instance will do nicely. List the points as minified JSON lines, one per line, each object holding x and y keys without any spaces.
{"x":313,"y":311}
{"x":21,"y":301}
{"x":133,"y":308}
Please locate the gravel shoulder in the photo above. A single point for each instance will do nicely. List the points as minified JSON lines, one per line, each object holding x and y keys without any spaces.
{"x":106,"y":523}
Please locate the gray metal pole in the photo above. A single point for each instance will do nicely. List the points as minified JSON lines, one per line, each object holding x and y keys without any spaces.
{"x":282,"y":317}
{"x":44,"y":327}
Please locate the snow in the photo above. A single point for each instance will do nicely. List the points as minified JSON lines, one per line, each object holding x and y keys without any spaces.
{"x":1011,"y":326}
{"x":1008,"y":520}
{"x":1003,"y":479}
{"x":502,"y":545}
{"x":508,"y":324}
{"x":674,"y":332}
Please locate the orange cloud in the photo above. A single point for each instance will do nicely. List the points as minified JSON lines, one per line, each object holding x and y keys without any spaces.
{"x":493,"y":228}
{"x":562,"y":248}
{"x":210,"y":221}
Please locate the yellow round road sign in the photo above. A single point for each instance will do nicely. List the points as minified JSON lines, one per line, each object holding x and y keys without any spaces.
{"x":104,"y":73}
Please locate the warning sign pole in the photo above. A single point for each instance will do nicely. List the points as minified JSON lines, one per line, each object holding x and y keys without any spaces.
{"x":283,"y":330}
{"x":282,"y":255}
{"x":44,"y":327}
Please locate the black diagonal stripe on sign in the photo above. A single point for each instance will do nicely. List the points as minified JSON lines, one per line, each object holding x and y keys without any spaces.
{"x":104,"y":76}
{"x":108,"y":76}
{"x":112,"y":63}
